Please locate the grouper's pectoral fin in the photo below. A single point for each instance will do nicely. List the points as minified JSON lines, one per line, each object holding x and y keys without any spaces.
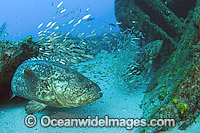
{"x":13,"y":95}
{"x":33,"y":107}
{"x":36,"y":87}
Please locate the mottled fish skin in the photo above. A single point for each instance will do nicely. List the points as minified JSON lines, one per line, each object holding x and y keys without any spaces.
{"x":145,"y":57}
{"x":59,"y":85}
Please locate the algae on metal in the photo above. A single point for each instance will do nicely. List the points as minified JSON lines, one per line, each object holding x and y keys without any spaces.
{"x":174,"y":91}
{"x":156,"y":20}
{"x":12,"y":55}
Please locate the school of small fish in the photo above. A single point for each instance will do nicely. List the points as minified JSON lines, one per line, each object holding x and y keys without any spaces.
{"x":54,"y":41}
{"x":67,"y":49}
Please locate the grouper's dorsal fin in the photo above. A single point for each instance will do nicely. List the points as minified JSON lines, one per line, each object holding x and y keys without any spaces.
{"x":33,"y":107}
{"x":36,"y":87}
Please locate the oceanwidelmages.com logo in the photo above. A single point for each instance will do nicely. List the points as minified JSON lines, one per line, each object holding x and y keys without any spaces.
{"x":128,"y":123}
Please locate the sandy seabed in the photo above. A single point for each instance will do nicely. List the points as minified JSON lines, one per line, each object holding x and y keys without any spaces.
{"x":117,"y":102}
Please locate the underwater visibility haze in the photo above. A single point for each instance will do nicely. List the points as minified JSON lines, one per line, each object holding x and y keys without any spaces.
{"x":26,"y":15}
{"x":100,"y":66}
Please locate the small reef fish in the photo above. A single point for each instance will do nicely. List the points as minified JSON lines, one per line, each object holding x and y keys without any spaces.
{"x":64,"y":40}
{"x":91,"y":35}
{"x":50,"y":83}
{"x":49,"y":24}
{"x":53,"y":25}
{"x":77,"y":23}
{"x":59,"y":4}
{"x":105,"y":34}
{"x":87,"y":9}
{"x":136,"y":38}
{"x":41,"y":38}
{"x":114,"y":34}
{"x":86,"y":16}
{"x":42,"y":35}
{"x":62,"y":11}
{"x":56,"y":12}
{"x":71,"y":21}
{"x":72,"y":29}
{"x":111,"y":24}
{"x":80,"y":35}
{"x":90,"y":19}
{"x":52,"y":33}
{"x":88,"y":56}
{"x":40,"y":25}
{"x":118,"y":23}
{"x":101,"y":27}
{"x":46,"y":30}
{"x":40,"y":32}
{"x":56,"y":28}
{"x":56,"y":37}
{"x":134,"y":22}
{"x":93,"y":31}
{"x":84,"y":43}
{"x":89,"y":25}
{"x":67,"y":33}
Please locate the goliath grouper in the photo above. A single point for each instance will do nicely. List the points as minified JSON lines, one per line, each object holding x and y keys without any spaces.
{"x":143,"y":59}
{"x":49,"y":83}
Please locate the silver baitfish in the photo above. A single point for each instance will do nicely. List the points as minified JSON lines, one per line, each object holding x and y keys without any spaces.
{"x":50,"y":83}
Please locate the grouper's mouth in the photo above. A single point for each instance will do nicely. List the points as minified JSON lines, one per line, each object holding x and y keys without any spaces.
{"x":97,"y":96}
{"x":91,"y":99}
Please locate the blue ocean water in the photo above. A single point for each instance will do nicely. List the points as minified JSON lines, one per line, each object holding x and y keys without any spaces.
{"x":104,"y":56}
{"x":23,"y":17}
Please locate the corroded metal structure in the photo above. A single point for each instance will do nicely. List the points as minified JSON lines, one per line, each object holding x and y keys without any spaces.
{"x":12,"y":54}
{"x":157,"y":19}
{"x":174,"y":91}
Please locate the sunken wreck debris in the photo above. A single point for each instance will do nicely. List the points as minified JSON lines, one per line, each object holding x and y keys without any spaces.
{"x":12,"y":54}
{"x":174,"y":91}
{"x":154,"y":17}
{"x":157,"y":19}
